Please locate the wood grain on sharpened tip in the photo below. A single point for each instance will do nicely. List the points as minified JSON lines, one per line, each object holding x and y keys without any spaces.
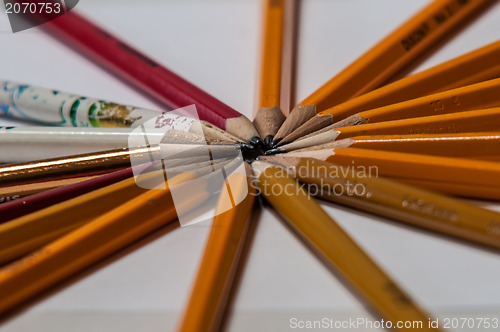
{"x":205,"y":308}
{"x":90,"y":243}
{"x":11,"y":193}
{"x":274,"y":86}
{"x":329,"y":240}
{"x":459,"y":171}
{"x":487,"y":120}
{"x":24,"y":206}
{"x":146,"y":74}
{"x":398,"y":50}
{"x":398,"y":201}
{"x":23,"y":235}
{"x":485,"y":146}
{"x":74,"y":166}
{"x":471,"y":97}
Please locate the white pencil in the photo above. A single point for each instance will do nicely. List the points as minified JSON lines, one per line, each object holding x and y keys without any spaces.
{"x":56,"y":108}
{"x":22,"y":144}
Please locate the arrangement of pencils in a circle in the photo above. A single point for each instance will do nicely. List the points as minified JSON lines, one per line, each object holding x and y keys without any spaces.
{"x":407,"y":149}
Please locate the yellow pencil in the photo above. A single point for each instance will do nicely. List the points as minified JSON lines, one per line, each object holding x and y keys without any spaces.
{"x":474,"y":67}
{"x":467,"y":98}
{"x":335,"y":246}
{"x":20,"y":236}
{"x":92,"y":242}
{"x":211,"y":288}
{"x":269,"y":115}
{"x":400,"y":48}
{"x":398,"y":201}
{"x":487,"y":120}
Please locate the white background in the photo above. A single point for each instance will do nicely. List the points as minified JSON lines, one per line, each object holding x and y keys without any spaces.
{"x":214,"y":44}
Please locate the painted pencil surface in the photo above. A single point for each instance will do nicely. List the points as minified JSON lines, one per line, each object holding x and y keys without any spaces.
{"x":274,"y":89}
{"x":212,"y":285}
{"x":11,"y":193}
{"x":23,"y":206}
{"x":57,"y":108}
{"x":403,"y":46}
{"x":23,"y":235}
{"x":146,"y":74}
{"x":326,"y":238}
{"x":487,"y":120}
{"x":90,"y":243}
{"x":74,"y":166}
{"x":24,"y":144}
{"x":460,"y":171}
{"x":463,"y":145}
{"x":471,"y":97}
{"x":474,"y":67}
{"x":367,"y":192}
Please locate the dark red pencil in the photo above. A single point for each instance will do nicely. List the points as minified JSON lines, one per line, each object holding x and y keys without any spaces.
{"x":146,"y":74}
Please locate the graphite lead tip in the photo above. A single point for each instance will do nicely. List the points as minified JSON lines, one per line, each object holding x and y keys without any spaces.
{"x":272,"y":152}
{"x":268,"y":141}
{"x":256,"y":142}
{"x":276,"y":142}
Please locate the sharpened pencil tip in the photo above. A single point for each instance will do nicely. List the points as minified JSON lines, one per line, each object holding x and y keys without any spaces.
{"x":272,"y":151}
{"x":276,"y":142}
{"x":256,"y":142}
{"x":245,"y":146}
{"x":268,"y":141}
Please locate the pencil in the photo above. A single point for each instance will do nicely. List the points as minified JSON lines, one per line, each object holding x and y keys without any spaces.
{"x":487,"y":120}
{"x":74,"y":166}
{"x":471,"y":97}
{"x":23,"y":235}
{"x":400,"y":202}
{"x":402,"y":47}
{"x":491,"y":193}
{"x":25,"y":144}
{"x":335,"y":246}
{"x":57,"y":108}
{"x":476,"y":66}
{"x":11,"y":193}
{"x":23,"y":206}
{"x":463,"y":145}
{"x":105,"y":161}
{"x":413,"y":166}
{"x":205,"y":307}
{"x":90,"y":243}
{"x":269,"y":115}
{"x":146,"y":74}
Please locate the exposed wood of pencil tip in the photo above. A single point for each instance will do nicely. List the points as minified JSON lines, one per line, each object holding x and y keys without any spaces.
{"x":268,"y":120}
{"x":298,"y":116}
{"x":317,"y":125}
{"x":465,"y":145}
{"x":471,"y":97}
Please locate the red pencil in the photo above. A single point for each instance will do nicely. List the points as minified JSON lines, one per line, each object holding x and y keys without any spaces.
{"x":146,"y":74}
